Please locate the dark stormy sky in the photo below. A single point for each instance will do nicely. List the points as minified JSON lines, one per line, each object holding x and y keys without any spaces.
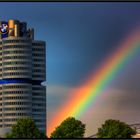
{"x":79,"y":36}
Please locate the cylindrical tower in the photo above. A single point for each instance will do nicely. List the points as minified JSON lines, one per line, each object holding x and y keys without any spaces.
{"x":22,"y":69}
{"x":39,"y":91}
{"x":17,"y":77}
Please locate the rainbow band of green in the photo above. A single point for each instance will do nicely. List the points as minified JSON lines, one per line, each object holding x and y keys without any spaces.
{"x":107,"y":79}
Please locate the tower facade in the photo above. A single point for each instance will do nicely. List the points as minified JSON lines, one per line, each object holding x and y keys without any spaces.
{"x":22,"y":70}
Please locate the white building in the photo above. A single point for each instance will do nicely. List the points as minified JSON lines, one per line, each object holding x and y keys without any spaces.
{"x":22,"y":70}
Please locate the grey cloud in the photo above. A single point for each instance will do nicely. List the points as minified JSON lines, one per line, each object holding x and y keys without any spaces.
{"x":115,"y":104}
{"x":57,"y":95}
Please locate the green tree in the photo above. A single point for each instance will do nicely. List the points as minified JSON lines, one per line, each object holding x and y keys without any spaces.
{"x":69,"y":128}
{"x":25,"y":128}
{"x":115,"y":129}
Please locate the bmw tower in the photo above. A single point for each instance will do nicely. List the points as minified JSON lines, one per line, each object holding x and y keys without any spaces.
{"x":22,"y":70}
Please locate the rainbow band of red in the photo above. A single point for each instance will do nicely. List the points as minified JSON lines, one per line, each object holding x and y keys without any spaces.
{"x":85,"y":95}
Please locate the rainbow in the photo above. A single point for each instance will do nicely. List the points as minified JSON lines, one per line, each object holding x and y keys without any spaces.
{"x":86,"y":93}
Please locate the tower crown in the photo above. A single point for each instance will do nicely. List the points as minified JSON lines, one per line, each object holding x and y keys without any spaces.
{"x":15,"y":28}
